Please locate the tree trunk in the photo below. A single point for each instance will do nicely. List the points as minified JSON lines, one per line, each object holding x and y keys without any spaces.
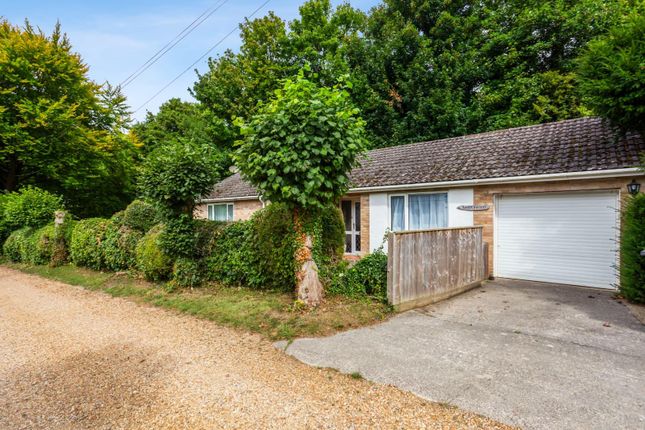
{"x":10,"y":181}
{"x":308,"y":286}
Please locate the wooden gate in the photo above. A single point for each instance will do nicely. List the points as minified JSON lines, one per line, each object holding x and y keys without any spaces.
{"x":426,"y":266}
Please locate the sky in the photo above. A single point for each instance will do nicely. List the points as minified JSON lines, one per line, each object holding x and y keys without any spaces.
{"x":115,"y":37}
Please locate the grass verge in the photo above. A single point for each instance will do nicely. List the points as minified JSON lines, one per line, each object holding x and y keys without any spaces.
{"x":269,"y":313}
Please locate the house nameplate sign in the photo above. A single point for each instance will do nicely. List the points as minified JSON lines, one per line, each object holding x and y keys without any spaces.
{"x":473,"y":208}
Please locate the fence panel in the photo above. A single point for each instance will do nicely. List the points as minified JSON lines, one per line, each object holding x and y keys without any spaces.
{"x":426,"y":266}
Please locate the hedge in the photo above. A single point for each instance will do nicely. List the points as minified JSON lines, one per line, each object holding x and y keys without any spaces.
{"x":118,"y":247}
{"x":632,"y":264}
{"x":140,"y":215}
{"x":151,"y":260}
{"x":85,"y":247}
{"x":367,"y":278}
{"x":30,"y":245}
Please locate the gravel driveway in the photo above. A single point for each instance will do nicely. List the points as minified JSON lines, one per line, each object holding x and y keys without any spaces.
{"x":535,"y":355}
{"x":71,"y":358}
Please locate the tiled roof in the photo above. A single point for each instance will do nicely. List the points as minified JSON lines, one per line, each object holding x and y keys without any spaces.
{"x":577,"y":145}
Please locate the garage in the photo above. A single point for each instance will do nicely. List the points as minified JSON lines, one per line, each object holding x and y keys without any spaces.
{"x":566,"y":238}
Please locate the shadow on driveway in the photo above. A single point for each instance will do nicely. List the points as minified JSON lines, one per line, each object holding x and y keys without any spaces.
{"x":540,"y":356}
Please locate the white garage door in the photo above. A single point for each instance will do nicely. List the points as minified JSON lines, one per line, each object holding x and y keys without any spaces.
{"x":567,"y":238}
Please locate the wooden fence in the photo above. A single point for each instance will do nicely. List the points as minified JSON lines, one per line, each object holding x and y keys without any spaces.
{"x":430,"y":265}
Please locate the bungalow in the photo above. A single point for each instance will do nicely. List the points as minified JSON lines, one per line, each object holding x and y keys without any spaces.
{"x":548,"y":196}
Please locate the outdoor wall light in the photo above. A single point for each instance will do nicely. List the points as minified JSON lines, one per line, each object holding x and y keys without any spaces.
{"x":633,"y":187}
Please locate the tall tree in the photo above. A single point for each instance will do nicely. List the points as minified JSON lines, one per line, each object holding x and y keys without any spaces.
{"x":612,"y":74}
{"x":298,"y":149}
{"x":58,"y":129}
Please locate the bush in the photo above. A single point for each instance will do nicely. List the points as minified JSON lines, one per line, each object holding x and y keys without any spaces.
{"x":179,"y":237}
{"x":151,"y":260}
{"x":332,"y":235}
{"x":232,"y":258}
{"x":14,"y":246}
{"x":140,"y":216}
{"x":632,"y":265}
{"x":85,"y":246}
{"x":368,"y":277}
{"x":62,"y":241}
{"x":30,"y":207}
{"x":206,"y":235}
{"x":118,"y":247}
{"x":5,"y":228}
{"x":39,"y":245}
{"x":187,"y":272}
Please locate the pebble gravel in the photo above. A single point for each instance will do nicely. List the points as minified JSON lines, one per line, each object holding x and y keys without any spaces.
{"x":77,"y":359}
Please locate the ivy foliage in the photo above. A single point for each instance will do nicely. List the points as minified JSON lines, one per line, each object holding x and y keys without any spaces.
{"x":139,"y":215}
{"x":612,"y":73}
{"x":86,"y":243}
{"x":299,"y":148}
{"x":632,"y":243}
{"x":151,"y":260}
{"x":366,"y":278}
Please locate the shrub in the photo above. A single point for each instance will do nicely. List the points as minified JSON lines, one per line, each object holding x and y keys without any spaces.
{"x":140,"y":216}
{"x":368,"y":277}
{"x":118,"y":247}
{"x":151,"y":260}
{"x":332,"y":232}
{"x":232,"y":259}
{"x":632,"y":265}
{"x":206,"y":235}
{"x":62,"y":241}
{"x":85,"y":245}
{"x":30,"y":207}
{"x":5,"y":228}
{"x":187,"y":272}
{"x":179,"y":237}
{"x":13,"y":247}
{"x":39,"y":245}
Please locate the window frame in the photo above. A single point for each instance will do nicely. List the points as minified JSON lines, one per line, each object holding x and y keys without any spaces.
{"x":406,"y":205}
{"x":230,"y":210}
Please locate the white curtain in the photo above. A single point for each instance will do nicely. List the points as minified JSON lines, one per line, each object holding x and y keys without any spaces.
{"x":428,"y":211}
{"x":397,"y":211}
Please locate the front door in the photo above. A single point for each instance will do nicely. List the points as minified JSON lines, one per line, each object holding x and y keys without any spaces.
{"x":352,"y":218}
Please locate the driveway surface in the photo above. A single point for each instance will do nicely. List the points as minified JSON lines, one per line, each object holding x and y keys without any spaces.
{"x":76,"y":359}
{"x":535,"y":355}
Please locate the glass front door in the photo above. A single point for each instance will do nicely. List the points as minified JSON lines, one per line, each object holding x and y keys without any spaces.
{"x":352,"y":218}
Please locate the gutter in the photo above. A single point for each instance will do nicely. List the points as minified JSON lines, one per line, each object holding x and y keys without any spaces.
{"x":595,"y":174}
{"x":589,"y":174}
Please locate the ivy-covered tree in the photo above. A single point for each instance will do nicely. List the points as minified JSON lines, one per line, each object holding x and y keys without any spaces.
{"x":298,"y":149}
{"x":174,"y":176}
{"x":58,"y":129}
{"x":612,"y":74}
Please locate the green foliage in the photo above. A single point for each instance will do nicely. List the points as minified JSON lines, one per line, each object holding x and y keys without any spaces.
{"x":368,"y":277}
{"x":151,"y":260}
{"x":59,"y":130}
{"x":13,"y":247}
{"x":139,"y":215}
{"x":632,"y":264}
{"x":62,"y":241}
{"x":299,"y":148}
{"x":179,"y":237}
{"x":232,"y":257}
{"x":85,"y":246}
{"x":30,"y":207}
{"x":118,"y":247}
{"x":332,"y":233}
{"x":612,"y":72}
{"x":175,"y":175}
{"x":187,"y":272}
{"x":206,"y":236}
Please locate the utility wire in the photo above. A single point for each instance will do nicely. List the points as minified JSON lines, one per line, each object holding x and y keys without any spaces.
{"x":172,"y":43}
{"x":219,"y":42}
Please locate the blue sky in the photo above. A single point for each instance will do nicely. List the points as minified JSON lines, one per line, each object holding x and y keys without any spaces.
{"x":115,"y":37}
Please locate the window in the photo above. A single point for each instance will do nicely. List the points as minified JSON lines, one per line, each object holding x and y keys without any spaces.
{"x":352,"y":218}
{"x":220,"y":212}
{"x":418,"y":211}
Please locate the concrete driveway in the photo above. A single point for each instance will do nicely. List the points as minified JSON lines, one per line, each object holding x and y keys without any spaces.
{"x":535,"y":355}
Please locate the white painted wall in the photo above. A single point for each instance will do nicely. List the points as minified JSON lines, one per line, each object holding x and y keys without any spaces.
{"x":457,"y":197}
{"x":380,"y":213}
{"x":379,"y":220}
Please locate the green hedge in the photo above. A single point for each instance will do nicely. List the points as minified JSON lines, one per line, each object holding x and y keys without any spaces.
{"x":632,"y":265}
{"x":30,"y":245}
{"x":85,"y":247}
{"x":13,"y":247}
{"x":30,"y":207}
{"x":151,"y":260}
{"x":367,"y":278}
{"x":118,"y":247}
{"x":140,"y":215}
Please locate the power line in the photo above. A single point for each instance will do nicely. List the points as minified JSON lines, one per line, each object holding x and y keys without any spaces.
{"x":172,"y":43}
{"x":219,"y":42}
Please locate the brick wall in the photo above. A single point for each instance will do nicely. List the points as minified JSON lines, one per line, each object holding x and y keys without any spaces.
{"x":242,"y":209}
{"x":365,"y":224}
{"x":485,"y":195}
